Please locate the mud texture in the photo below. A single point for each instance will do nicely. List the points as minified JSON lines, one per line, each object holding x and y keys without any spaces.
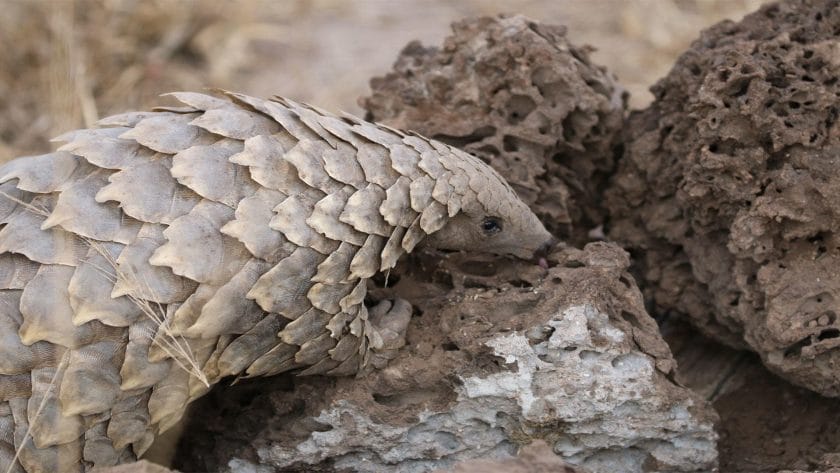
{"x":791,"y":428}
{"x":534,"y":458}
{"x":766,"y":424}
{"x":141,"y":466}
{"x":499,"y":354}
{"x":517,"y":94}
{"x":728,"y":189}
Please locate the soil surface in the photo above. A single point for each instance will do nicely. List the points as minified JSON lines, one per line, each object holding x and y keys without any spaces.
{"x":535,"y":458}
{"x":788,"y":429}
{"x":766,"y":424}
{"x":462,"y":303}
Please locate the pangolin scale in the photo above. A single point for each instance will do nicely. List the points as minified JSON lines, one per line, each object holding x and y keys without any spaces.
{"x":153,"y":255}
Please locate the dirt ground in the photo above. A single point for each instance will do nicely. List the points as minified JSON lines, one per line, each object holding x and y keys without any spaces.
{"x":767,"y":424}
{"x":74,"y":62}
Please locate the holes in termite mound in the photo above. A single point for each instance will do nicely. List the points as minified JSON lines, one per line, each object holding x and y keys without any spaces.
{"x":485,"y":151}
{"x":521,"y":284}
{"x":819,"y":242}
{"x":450,"y":346}
{"x":632,"y":318}
{"x":408,"y":399}
{"x":546,"y":81}
{"x":447,"y":440}
{"x":479,"y":134}
{"x":487,"y":364}
{"x":519,"y":107}
{"x":511,"y":144}
{"x":817,"y":309}
{"x":318,"y":426}
{"x":443,"y":277}
{"x":576,"y":122}
{"x":539,"y":334}
{"x":475,"y":283}
{"x":828,"y":334}
{"x":387,"y":400}
{"x":795,"y":350}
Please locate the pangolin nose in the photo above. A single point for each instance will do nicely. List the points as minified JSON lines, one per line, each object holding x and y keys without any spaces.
{"x":546,"y":247}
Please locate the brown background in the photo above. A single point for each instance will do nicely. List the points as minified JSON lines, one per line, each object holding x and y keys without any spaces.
{"x":66,"y":63}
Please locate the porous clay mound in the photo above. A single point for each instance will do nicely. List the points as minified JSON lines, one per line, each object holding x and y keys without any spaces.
{"x":729,"y":189}
{"x":500,"y":354}
{"x":517,"y":94}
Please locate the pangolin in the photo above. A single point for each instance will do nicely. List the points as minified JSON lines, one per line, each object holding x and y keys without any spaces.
{"x":161,"y":251}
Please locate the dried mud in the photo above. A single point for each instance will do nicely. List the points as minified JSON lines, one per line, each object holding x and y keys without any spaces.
{"x":463,"y":305}
{"x":537,"y":457}
{"x":790,"y":428}
{"x":727,"y":191}
{"x":766,"y":424}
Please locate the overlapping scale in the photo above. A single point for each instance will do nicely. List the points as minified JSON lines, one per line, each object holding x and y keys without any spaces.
{"x":78,"y":212}
{"x":103,"y":148}
{"x":283,"y":288}
{"x":91,"y":380}
{"x":325,"y":215}
{"x":251,"y":226}
{"x":197,"y":250}
{"x":208,"y":172}
{"x":22,"y":234}
{"x":246,"y":348}
{"x":362,"y":211}
{"x":168,"y":133}
{"x":15,"y":357}
{"x":91,"y":286}
{"x":139,"y":279}
{"x":290,"y":220}
{"x":146,"y":191}
{"x":229,"y":311}
{"x":396,"y":208}
{"x":40,"y":174}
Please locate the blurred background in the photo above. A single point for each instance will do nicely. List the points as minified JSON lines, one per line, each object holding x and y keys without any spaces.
{"x":67,"y":63}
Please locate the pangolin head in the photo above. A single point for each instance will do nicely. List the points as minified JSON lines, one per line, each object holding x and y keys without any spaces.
{"x":492,"y":218}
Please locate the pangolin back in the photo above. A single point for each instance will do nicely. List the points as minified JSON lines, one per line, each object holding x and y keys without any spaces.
{"x":161,"y":251}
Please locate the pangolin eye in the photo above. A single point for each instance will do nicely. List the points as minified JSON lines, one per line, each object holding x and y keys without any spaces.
{"x":491,"y":226}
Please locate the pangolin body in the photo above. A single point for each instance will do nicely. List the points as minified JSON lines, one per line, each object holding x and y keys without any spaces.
{"x":161,"y":251}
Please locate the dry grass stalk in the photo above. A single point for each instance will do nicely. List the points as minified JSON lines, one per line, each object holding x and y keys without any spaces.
{"x":176,"y":347}
{"x":28,"y":435}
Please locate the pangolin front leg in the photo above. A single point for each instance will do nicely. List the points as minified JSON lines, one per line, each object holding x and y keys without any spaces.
{"x":153,"y":255}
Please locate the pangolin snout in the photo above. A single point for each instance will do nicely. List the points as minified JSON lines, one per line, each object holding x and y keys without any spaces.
{"x":543,"y":250}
